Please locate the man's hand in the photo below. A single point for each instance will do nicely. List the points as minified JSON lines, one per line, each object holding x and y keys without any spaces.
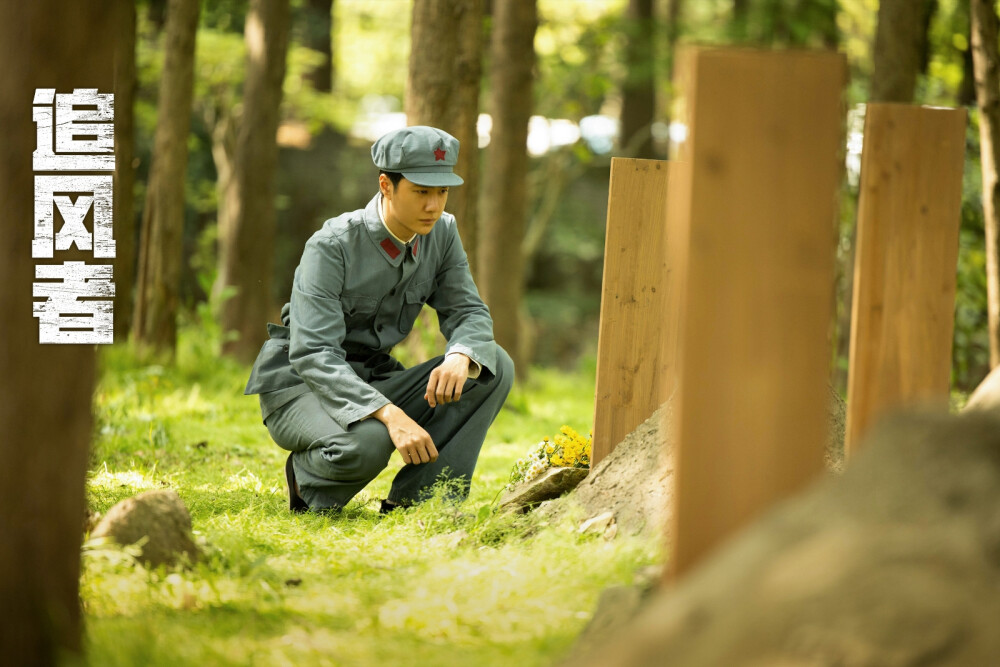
{"x":446,"y":381}
{"x":412,"y":442}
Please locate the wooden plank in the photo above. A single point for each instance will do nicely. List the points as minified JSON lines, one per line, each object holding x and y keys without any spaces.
{"x":765,"y":136}
{"x":631,"y":363}
{"x":907,"y":250}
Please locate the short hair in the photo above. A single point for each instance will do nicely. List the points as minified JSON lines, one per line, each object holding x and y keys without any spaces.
{"x":394,"y":177}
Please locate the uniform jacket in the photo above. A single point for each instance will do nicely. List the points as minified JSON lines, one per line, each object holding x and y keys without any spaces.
{"x":356,"y":294}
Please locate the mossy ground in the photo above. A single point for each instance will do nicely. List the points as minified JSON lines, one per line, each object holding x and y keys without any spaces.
{"x":434,"y":585}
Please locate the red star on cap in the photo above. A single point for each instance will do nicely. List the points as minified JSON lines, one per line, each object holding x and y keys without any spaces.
{"x":438,"y":154}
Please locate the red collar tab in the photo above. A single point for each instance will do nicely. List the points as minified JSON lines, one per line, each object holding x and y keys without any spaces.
{"x":415,"y":242}
{"x":390,"y":248}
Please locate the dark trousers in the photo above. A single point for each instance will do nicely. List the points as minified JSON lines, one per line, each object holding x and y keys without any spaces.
{"x":332,"y":465}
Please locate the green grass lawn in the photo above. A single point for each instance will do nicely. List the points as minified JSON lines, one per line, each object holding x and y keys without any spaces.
{"x":433,"y":585}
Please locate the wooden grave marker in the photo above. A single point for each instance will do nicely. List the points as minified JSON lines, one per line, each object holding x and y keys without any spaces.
{"x":905,"y":269}
{"x":764,"y":146}
{"x":631,"y":360}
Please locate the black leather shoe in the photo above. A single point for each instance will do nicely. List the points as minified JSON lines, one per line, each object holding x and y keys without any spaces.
{"x":389,"y":506}
{"x":295,"y":503}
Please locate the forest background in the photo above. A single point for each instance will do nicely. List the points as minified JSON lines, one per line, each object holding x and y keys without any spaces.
{"x":594,"y":62}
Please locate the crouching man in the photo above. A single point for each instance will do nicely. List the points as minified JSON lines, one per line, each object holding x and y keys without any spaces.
{"x":331,"y":394}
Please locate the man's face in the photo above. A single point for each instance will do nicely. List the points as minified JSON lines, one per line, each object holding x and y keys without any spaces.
{"x":410,"y":208}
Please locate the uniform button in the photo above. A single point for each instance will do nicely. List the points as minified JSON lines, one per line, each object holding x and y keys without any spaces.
{"x":379,"y":328}
{"x":392,"y":292}
{"x":285,"y":348}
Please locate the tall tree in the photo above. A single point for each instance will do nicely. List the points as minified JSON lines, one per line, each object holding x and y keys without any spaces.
{"x":45,"y":398}
{"x":987,"y":67}
{"x":154,"y":326}
{"x":317,"y":28}
{"x":246,"y":234}
{"x":900,"y":49}
{"x":443,"y":91}
{"x":124,"y":209}
{"x":638,"y":91}
{"x":504,"y":206}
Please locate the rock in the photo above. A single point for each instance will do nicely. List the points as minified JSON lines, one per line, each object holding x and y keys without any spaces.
{"x":598,"y":524}
{"x":161,"y":517}
{"x":895,"y":562}
{"x":550,"y":484}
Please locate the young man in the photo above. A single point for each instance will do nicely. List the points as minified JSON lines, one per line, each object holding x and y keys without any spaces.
{"x":330,"y":392}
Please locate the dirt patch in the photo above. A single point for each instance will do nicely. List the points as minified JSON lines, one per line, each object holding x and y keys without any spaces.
{"x":635,"y":482}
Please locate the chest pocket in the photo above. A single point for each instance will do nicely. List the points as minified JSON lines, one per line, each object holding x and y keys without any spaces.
{"x":413,"y":301}
{"x":359,"y":311}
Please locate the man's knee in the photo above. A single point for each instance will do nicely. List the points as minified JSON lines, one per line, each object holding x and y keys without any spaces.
{"x":504,"y":370}
{"x":362,"y":455}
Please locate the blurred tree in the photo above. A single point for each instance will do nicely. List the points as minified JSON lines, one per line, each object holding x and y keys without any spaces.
{"x":638,"y":91}
{"x":218,"y":98}
{"x":443,"y":91}
{"x":154,"y":326}
{"x":785,"y":22}
{"x":316,"y":20}
{"x":246,"y":234}
{"x":741,"y":16}
{"x":45,"y":399}
{"x":124,"y":209}
{"x":157,"y":14}
{"x":900,"y":52}
{"x":966,"y":95}
{"x":504,"y":205}
{"x":987,"y":65}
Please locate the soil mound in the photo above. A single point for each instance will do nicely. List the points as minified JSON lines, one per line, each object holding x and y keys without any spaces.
{"x":896,"y":562}
{"x":635,"y":481}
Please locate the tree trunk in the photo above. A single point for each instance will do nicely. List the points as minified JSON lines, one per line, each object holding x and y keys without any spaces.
{"x":246,"y":245}
{"x":443,"y":91}
{"x":741,"y":13}
{"x":157,"y":14}
{"x":966,"y":95}
{"x":318,"y":17}
{"x":45,"y":397}
{"x":987,"y":64}
{"x":124,"y":209}
{"x":224,"y":158}
{"x":900,"y":44}
{"x":638,"y":91}
{"x":512,"y":55}
{"x":161,"y":242}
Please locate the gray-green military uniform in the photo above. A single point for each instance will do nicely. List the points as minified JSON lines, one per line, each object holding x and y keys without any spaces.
{"x":356,"y":293}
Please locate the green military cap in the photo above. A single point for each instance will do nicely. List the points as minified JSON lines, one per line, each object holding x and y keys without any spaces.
{"x":423,"y":155}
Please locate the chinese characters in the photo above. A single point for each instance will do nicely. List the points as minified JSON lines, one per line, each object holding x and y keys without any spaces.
{"x":75,"y":134}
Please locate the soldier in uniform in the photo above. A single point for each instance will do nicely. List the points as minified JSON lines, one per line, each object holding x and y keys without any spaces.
{"x":330,"y":392}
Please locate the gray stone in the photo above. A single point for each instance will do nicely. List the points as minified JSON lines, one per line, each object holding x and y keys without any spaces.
{"x":550,"y":484}
{"x":158,"y":516}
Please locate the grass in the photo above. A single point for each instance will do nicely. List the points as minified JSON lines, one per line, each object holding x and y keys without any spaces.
{"x":432,"y":585}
